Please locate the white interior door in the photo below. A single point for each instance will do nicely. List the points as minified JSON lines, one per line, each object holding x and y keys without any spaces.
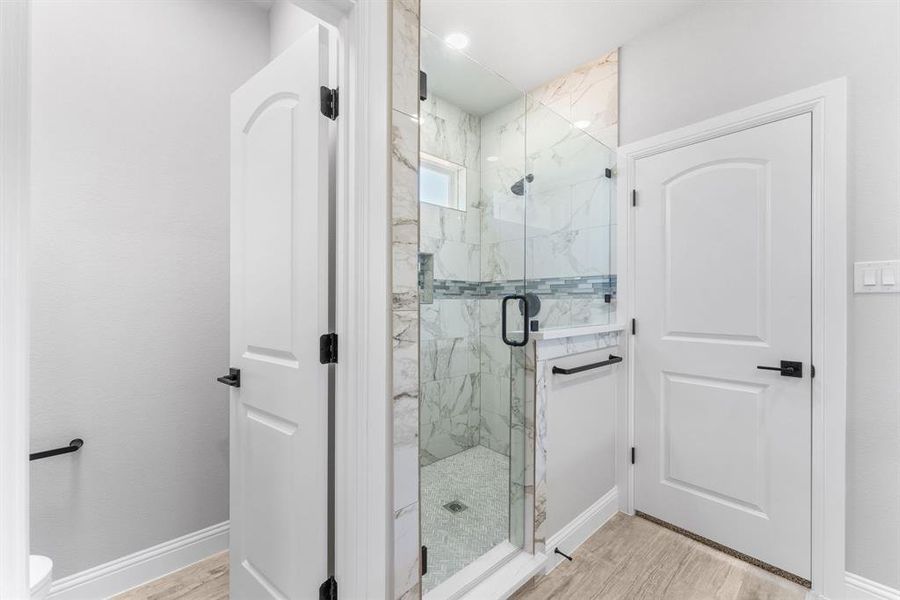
{"x":722,"y":285}
{"x":279,"y":308}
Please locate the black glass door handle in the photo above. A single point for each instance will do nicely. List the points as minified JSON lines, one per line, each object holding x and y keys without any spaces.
{"x":525,"y":327}
{"x":233,"y":378}
{"x":788,"y":368}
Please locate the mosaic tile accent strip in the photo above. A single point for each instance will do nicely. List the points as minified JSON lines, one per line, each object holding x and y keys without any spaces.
{"x":554,"y":287}
{"x":478,"y":478}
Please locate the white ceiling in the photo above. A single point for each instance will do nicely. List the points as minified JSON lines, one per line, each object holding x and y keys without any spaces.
{"x":530,"y":42}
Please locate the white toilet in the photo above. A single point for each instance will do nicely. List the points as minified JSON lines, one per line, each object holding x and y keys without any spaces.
{"x":40,"y":570}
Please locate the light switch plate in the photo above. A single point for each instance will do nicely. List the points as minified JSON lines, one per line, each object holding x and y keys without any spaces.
{"x":875,"y":277}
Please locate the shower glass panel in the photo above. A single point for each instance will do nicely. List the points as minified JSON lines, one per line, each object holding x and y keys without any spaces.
{"x":570,"y":227}
{"x":472,"y":253}
{"x":516,"y":240}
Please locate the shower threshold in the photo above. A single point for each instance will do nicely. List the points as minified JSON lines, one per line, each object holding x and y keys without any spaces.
{"x":460,"y":583}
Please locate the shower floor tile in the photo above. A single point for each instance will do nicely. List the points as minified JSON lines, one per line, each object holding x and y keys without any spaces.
{"x":479,"y":479}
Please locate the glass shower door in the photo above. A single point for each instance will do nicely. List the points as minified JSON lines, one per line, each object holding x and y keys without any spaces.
{"x":472,"y":254}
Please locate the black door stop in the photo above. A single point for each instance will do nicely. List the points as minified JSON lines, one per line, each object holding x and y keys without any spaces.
{"x":561,"y":553}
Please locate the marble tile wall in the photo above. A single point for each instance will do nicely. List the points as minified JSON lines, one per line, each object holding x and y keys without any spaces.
{"x":502,"y":261}
{"x":503,"y":212}
{"x":589,"y":93}
{"x":450,"y":378}
{"x":453,"y":236}
{"x":449,"y":354}
{"x":495,"y":380}
{"x":569,"y":206}
{"x":405,"y":297}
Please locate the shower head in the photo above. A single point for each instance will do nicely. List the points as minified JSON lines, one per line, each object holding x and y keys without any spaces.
{"x":518,"y":188}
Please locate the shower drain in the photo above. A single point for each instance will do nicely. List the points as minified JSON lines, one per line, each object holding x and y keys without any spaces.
{"x":455,"y":506}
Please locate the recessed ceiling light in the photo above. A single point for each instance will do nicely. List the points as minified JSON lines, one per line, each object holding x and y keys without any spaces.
{"x":492,"y":159}
{"x":457,"y":41}
{"x":581,"y":124}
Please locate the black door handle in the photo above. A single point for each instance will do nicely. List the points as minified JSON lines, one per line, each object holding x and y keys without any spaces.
{"x":233,"y":378}
{"x":788,"y":368}
{"x":525,"y":327}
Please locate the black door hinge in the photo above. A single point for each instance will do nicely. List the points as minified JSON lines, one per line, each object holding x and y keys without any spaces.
{"x":424,"y":560}
{"x":423,"y":86}
{"x":328,"y":99}
{"x":632,"y":455}
{"x":328,"y":589}
{"x":634,"y":327}
{"x":812,"y":370}
{"x":328,"y":348}
{"x":608,"y":173}
{"x":634,"y":197}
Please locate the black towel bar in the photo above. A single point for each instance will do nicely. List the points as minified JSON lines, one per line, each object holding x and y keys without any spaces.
{"x":73,"y":446}
{"x":612,"y":360}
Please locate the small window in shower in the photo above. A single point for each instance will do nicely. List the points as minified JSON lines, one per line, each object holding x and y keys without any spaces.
{"x":442,"y":182}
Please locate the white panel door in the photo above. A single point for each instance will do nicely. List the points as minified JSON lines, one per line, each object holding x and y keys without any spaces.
{"x":279,"y":308}
{"x":722,"y":285}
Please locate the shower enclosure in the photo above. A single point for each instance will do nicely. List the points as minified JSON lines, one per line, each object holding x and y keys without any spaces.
{"x":515,"y":239}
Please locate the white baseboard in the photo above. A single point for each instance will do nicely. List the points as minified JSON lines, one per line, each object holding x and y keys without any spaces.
{"x":570,"y":537}
{"x":860,"y":588}
{"x":135,"y":569}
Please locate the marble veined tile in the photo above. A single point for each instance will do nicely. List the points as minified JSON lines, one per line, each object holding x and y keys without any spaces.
{"x":448,"y":357}
{"x":406,"y":550}
{"x":452,"y":397}
{"x":404,"y":169}
{"x":589,"y":93}
{"x":405,"y":56}
{"x":555,"y":348}
{"x":494,"y":432}
{"x":405,"y":354}
{"x":446,"y":437}
{"x":450,"y":224}
{"x":405,"y":296}
{"x":457,"y":318}
{"x":404,"y":212}
{"x":593,"y":203}
{"x":450,"y":133}
{"x":495,"y":393}
{"x":459,"y":261}
{"x":570,"y":253}
{"x":405,"y":406}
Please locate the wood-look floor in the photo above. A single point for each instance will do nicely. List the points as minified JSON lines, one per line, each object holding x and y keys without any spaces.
{"x":633,"y":559}
{"x":205,"y":580}
{"x":628,"y":559}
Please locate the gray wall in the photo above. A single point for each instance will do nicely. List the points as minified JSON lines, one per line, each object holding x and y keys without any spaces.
{"x":728,"y":55}
{"x":130,"y":297}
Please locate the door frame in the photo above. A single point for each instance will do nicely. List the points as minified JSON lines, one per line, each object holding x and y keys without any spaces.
{"x":827,"y":103}
{"x":362,"y":409}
